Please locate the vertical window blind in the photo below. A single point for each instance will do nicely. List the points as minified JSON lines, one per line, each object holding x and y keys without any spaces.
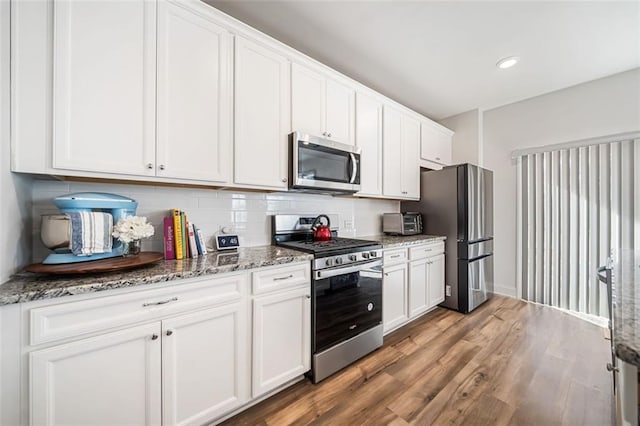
{"x":576,"y":207}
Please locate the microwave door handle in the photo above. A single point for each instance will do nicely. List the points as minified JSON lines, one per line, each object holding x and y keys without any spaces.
{"x":354,"y":167}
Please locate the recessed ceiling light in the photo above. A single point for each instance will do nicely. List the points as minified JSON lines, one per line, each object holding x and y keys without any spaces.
{"x":507,"y":62}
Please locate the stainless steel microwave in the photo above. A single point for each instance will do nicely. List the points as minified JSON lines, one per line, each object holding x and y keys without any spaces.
{"x":322,"y":165}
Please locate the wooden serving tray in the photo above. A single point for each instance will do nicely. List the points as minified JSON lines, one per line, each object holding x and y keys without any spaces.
{"x":96,"y":266}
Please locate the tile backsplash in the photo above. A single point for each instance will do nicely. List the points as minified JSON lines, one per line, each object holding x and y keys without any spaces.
{"x":245,"y":213}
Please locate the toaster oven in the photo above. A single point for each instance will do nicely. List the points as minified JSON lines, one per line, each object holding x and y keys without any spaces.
{"x":407,"y":223}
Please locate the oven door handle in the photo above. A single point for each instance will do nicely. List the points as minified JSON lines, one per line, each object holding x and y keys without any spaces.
{"x":328,"y":273}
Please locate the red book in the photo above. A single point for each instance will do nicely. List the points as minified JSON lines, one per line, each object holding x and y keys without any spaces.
{"x":169,"y":244}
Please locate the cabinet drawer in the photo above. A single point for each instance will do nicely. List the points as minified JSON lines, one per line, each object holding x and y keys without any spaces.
{"x":74,"y":319}
{"x":395,"y":256}
{"x":279,"y":278}
{"x":427,"y":250}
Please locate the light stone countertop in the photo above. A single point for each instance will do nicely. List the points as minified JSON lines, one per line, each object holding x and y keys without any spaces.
{"x":626,"y":310}
{"x":25,"y":286}
{"x":399,"y":241}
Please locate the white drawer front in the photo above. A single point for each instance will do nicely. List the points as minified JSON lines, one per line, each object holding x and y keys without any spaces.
{"x":427,"y":250}
{"x":279,"y":278}
{"x":395,"y":256}
{"x":74,"y":319}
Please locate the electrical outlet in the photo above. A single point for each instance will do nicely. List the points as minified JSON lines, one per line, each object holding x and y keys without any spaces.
{"x":447,"y":290}
{"x":348,"y":225}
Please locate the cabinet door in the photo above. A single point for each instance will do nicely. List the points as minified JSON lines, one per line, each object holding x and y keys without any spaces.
{"x":392,"y":153}
{"x":262,"y":116}
{"x":394,"y":296}
{"x":340,"y":113}
{"x":104,"y":86}
{"x":435,"y":144}
{"x":369,"y":139}
{"x":436,"y":280}
{"x":195,"y":89}
{"x":281,"y":338}
{"x":307,"y":101}
{"x":410,"y":157}
{"x":105,"y":380}
{"x":205,"y":364}
{"x":418,"y":287}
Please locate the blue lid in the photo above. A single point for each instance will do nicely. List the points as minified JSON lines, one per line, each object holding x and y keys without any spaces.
{"x":94,"y":200}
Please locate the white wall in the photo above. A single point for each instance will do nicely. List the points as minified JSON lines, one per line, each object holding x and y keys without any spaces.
{"x":245,"y":212}
{"x":467,"y":139}
{"x":15,"y":193}
{"x":601,"y":107}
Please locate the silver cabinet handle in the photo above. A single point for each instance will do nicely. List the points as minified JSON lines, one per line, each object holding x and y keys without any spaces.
{"x":283,"y":278}
{"x":438,"y":158}
{"x":324,"y":133}
{"x":386,"y":274}
{"x":162,"y":302}
{"x":308,"y":296}
{"x":328,"y":135}
{"x":394,"y":256}
{"x":149,"y":165}
{"x":284,"y":179}
{"x":610,"y":367}
{"x":428,"y":249}
{"x":169,"y":332}
{"x":154,"y":337}
{"x":161,"y":166}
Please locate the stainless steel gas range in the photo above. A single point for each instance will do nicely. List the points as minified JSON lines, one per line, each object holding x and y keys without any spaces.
{"x":346,"y":319}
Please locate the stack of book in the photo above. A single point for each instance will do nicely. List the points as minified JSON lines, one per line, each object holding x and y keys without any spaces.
{"x":182,"y":239}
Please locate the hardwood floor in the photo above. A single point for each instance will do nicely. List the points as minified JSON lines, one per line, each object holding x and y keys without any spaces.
{"x":507,"y":363}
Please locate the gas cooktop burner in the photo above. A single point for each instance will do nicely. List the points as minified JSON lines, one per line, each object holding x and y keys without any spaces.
{"x":325,"y":246}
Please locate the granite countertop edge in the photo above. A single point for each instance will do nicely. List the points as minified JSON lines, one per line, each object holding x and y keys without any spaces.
{"x":26,"y":287}
{"x":399,"y":241}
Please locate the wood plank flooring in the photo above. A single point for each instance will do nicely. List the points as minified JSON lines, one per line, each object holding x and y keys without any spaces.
{"x":507,"y":363}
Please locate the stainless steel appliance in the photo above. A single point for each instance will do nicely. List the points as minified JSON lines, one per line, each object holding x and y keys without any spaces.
{"x":346,"y":306}
{"x":407,"y":223}
{"x":322,"y":165}
{"x":457,"y":201}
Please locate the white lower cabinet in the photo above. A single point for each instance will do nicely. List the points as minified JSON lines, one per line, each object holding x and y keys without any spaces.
{"x":394,"y":296}
{"x":281,"y":344}
{"x":204,"y":364}
{"x":413,"y":283}
{"x":176,"y":362}
{"x":436,"y":279}
{"x":110,"y":379}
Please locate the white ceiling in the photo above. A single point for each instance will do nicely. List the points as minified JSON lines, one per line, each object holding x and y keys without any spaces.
{"x":439,"y":57}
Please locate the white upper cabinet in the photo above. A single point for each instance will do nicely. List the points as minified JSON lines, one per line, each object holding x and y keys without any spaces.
{"x":401,"y":168}
{"x":321,"y":106}
{"x":195,"y":95}
{"x":340,"y":116}
{"x":435,"y":143}
{"x":369,"y":140}
{"x":103,"y":87}
{"x":262,"y":116}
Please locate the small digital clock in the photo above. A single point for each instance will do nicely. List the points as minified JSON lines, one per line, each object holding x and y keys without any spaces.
{"x":227,"y":242}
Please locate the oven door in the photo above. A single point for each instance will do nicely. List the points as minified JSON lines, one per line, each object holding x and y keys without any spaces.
{"x":346,"y":302}
{"x":321,"y":164}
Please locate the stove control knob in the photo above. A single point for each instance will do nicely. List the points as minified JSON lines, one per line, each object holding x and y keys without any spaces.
{"x":373,"y":254}
{"x":365,"y":255}
{"x":353,"y":257}
{"x":338,"y":261}
{"x":329,"y":262}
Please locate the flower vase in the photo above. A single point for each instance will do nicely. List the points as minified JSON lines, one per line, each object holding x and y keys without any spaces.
{"x":132,"y":248}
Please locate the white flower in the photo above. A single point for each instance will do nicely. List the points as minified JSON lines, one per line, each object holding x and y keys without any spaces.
{"x":132,"y":228}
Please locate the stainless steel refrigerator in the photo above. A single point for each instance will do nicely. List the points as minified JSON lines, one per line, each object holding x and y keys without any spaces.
{"x":457,"y":201}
